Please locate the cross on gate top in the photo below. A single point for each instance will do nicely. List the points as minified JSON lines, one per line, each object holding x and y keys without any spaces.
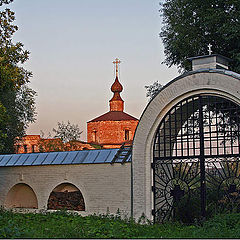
{"x":116,"y":62}
{"x":209,"y":48}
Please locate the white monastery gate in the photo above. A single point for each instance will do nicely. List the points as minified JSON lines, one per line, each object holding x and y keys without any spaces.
{"x":186,"y":145}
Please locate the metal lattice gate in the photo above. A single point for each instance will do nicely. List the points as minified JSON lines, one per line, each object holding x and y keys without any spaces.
{"x":196,"y":159}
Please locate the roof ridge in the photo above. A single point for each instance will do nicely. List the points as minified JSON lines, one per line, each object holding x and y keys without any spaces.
{"x":114,"y":116}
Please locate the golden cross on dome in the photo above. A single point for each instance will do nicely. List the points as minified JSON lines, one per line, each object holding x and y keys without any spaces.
{"x":116,"y":62}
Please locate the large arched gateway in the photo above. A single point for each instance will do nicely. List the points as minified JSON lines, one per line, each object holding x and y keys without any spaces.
{"x":195,"y":158}
{"x":186,"y":147}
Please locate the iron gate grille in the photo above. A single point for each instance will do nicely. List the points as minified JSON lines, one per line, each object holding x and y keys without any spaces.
{"x":196,"y":157}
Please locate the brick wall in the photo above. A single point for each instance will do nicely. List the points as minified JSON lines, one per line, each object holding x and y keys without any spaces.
{"x":34,"y":143}
{"x":28,"y":144}
{"x":110,"y":132}
{"x":103,"y":186}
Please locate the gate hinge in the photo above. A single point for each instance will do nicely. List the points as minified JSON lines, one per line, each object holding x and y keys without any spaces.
{"x":152,"y":165}
{"x":153,"y":212}
{"x":153,"y":188}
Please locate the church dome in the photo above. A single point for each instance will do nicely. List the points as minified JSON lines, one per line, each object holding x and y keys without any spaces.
{"x":117,"y":86}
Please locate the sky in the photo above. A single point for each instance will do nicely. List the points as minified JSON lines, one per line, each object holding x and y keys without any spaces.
{"x":73,"y":44}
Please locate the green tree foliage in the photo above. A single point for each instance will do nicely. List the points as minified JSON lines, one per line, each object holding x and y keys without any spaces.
{"x":190,"y":25}
{"x":17,"y":104}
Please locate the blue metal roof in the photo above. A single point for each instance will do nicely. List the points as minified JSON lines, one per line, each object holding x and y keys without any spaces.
{"x":72,"y":157}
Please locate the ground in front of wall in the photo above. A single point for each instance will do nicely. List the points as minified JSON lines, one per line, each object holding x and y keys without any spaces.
{"x":61,"y":224}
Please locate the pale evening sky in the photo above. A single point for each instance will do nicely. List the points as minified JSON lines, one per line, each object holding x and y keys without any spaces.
{"x":73,"y":44}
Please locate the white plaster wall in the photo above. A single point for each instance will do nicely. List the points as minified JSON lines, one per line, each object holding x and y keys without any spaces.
{"x":212,"y":82}
{"x":103,"y":186}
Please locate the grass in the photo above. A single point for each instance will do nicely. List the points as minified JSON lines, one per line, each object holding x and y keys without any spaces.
{"x":65,"y":225}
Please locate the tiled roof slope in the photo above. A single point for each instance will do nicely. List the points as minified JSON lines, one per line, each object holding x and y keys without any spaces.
{"x":63,"y":158}
{"x":114,"y":116}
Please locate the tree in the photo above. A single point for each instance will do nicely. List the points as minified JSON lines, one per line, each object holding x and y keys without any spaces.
{"x":17,"y":103}
{"x":66,"y":138}
{"x":67,"y":132}
{"x":190,"y":25}
{"x":153,"y":89}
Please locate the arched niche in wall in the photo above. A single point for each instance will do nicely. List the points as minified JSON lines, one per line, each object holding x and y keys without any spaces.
{"x":21,"y":196}
{"x":66,"y":196}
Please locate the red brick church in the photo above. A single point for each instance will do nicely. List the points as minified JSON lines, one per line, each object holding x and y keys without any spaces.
{"x":115,"y":127}
{"x":110,"y":130}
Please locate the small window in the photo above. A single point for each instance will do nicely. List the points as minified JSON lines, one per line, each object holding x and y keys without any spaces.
{"x":33,"y":148}
{"x":127,"y":135}
{"x":25,"y":148}
{"x":94,"y":136}
{"x":17,"y":148}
